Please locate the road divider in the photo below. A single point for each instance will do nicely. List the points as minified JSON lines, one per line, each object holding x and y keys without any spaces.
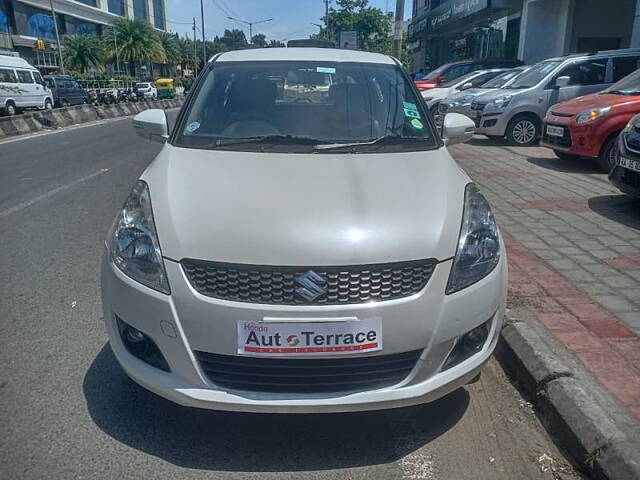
{"x":37,"y":121}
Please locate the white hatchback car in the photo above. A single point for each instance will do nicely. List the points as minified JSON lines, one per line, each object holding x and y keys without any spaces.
{"x":312,"y":253}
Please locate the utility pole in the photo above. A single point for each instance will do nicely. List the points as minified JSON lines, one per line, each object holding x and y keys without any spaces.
{"x":195,"y":50}
{"x":397,"y":33}
{"x":326,"y":19}
{"x":55,"y":24}
{"x":204,"y":43}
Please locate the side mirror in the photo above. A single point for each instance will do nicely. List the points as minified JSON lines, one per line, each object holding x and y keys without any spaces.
{"x":466,"y":86}
{"x":152,"y":125}
{"x":562,"y":81}
{"x":457,"y":128}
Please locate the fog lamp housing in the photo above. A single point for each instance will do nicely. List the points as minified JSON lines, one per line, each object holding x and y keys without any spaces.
{"x":468,"y":345}
{"x":141,"y":346}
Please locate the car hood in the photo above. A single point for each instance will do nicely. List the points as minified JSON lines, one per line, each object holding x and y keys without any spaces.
{"x":587,"y":102}
{"x":471,"y":92}
{"x":310,"y":209}
{"x":438,"y":93}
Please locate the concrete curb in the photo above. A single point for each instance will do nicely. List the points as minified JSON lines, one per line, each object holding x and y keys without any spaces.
{"x":36,"y":121}
{"x":585,"y":420}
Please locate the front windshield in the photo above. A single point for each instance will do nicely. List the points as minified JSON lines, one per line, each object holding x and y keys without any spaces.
{"x":501,"y":79}
{"x":535,"y":74}
{"x":293,"y":106}
{"x":629,"y":85}
{"x":460,"y":80}
{"x":436,"y":72}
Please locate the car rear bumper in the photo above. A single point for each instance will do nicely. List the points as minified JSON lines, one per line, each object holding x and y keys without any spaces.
{"x":185,"y":322}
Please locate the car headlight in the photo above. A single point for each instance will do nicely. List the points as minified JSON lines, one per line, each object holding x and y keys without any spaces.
{"x":133,"y":241}
{"x":466,"y":100}
{"x":593,"y":114}
{"x":499,"y":103}
{"x":478,"y":249}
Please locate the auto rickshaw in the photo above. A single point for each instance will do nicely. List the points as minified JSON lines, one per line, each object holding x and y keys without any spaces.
{"x":165,"y":88}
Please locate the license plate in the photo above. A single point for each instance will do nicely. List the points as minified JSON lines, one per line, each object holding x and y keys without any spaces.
{"x":299,"y":339}
{"x":630,"y":164}
{"x":555,"y":131}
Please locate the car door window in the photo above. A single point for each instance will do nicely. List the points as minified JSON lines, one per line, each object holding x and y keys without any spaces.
{"x":38,"y":78}
{"x":590,"y":72}
{"x":482,"y":79}
{"x":8,"y":76}
{"x":454,"y":72}
{"x":50,"y":83}
{"x":24,"y":76}
{"x":623,"y":66}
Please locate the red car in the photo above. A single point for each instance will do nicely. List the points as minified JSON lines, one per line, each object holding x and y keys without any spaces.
{"x":589,"y":126}
{"x":451,"y":71}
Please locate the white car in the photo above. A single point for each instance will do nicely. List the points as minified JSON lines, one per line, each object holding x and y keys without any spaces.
{"x":282,"y":255}
{"x":21,"y":86}
{"x":147,"y":90}
{"x":434,"y":96}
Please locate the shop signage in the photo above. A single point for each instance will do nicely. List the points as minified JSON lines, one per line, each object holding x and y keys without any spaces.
{"x":454,"y":10}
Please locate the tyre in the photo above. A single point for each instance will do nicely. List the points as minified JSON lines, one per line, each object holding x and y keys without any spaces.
{"x":10,"y":109}
{"x":523,"y":130}
{"x":566,"y":156}
{"x":607,"y":157}
{"x":48,"y":105}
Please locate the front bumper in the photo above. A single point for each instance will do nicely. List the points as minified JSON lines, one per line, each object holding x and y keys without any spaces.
{"x":493,"y":124}
{"x":581,"y":140}
{"x":186,"y":321}
{"x":627,"y":181}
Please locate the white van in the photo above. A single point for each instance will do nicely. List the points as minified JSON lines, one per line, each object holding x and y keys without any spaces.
{"x":21,"y":86}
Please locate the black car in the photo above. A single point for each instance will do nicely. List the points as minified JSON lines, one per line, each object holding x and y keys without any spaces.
{"x":626,"y":173}
{"x":66,"y":90}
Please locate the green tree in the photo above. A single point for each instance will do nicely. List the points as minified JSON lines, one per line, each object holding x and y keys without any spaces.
{"x":372,"y":24}
{"x":234,"y":39}
{"x":83,"y":52}
{"x":137,"y":42}
{"x":259,"y":40}
{"x":172,"y":50}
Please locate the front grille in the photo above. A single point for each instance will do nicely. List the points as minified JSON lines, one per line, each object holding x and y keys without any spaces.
{"x":277,"y":285}
{"x":477,"y":106}
{"x":306,"y":375}
{"x":560,"y":114}
{"x":630,"y":178}
{"x":564,"y":141}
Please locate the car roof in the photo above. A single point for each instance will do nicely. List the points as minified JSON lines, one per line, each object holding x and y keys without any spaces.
{"x":601,"y":53}
{"x":303,"y":54}
{"x":15,"y":62}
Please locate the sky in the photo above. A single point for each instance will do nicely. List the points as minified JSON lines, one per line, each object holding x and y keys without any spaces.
{"x":291,"y":18}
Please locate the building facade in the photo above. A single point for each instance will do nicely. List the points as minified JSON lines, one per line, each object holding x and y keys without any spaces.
{"x":442,"y":31}
{"x":24,"y":22}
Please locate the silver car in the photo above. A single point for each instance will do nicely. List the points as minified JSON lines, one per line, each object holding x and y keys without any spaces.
{"x":460,"y":102}
{"x":312,"y":253}
{"x":516,"y":111}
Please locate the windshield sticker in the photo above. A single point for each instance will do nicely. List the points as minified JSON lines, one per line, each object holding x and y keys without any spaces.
{"x":410,"y":106}
{"x":192,"y":127}
{"x":325,"y":70}
{"x":411,"y":113}
{"x":417,"y":124}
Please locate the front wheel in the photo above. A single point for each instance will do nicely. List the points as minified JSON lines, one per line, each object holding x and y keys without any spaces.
{"x":608,"y":154}
{"x":566,"y":156}
{"x":10,"y":109}
{"x":523,"y":131}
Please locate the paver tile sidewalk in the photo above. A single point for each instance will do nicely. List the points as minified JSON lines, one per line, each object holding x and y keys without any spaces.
{"x":574,"y":254}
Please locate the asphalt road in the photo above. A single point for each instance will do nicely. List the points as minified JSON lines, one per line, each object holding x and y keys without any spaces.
{"x":68,"y":410}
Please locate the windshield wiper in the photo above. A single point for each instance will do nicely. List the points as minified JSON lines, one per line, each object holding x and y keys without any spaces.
{"x":285,"y":139}
{"x":385,"y":139}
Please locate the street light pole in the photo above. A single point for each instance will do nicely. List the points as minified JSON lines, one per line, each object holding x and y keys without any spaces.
{"x":251,"y":24}
{"x":55,"y":25}
{"x":195,"y":50}
{"x":204,"y":43}
{"x":397,"y":34}
{"x":115,"y":43}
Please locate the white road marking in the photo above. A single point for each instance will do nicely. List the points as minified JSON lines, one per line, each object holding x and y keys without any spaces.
{"x":50,"y":193}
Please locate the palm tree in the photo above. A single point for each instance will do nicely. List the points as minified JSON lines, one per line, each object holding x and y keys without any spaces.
{"x":137,"y":42}
{"x":82,"y":52}
{"x":172,"y":49}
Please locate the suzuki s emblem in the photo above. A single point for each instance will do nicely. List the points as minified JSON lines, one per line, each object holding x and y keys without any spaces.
{"x":310,"y":285}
